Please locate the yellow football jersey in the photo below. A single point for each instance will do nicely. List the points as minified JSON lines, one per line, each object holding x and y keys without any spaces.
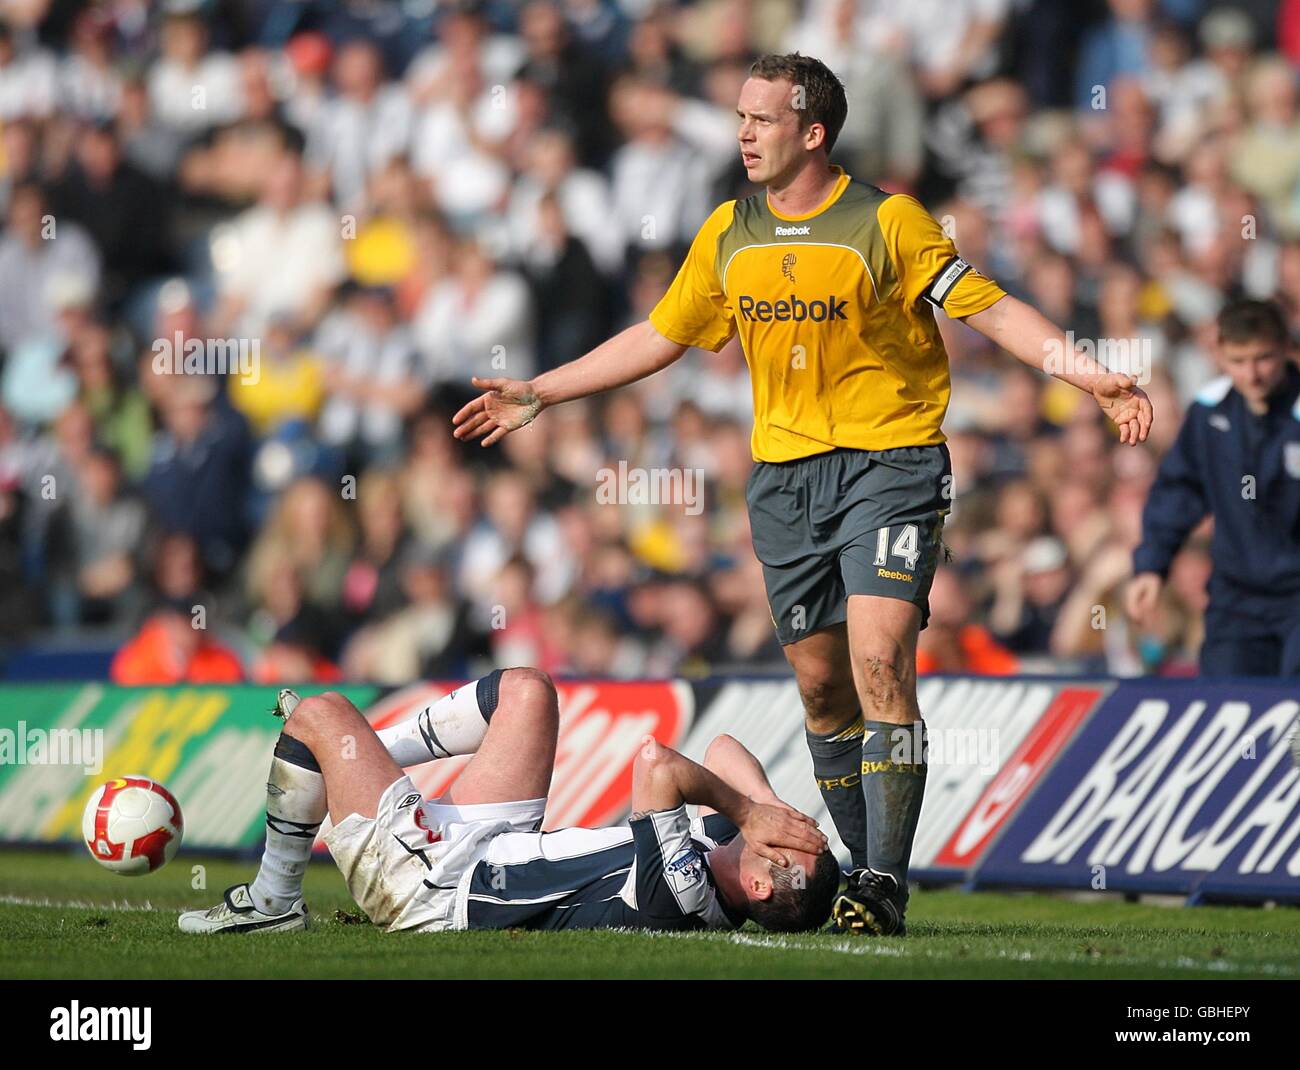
{"x":835,"y":314}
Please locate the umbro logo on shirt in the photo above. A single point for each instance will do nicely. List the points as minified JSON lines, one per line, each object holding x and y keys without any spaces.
{"x":793,"y":232}
{"x":1220,"y":422}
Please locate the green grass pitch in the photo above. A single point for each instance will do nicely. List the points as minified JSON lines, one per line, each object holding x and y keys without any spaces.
{"x":61,"y":916}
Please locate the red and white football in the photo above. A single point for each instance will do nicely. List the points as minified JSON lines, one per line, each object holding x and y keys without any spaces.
{"x":132,"y":825}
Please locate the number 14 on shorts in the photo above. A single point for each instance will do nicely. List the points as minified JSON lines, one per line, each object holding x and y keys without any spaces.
{"x":906,"y":545}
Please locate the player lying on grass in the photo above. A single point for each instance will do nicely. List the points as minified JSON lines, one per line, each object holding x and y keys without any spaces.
{"x":474,"y":859}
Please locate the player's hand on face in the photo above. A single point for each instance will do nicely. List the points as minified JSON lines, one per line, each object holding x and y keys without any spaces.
{"x":773,"y":830}
{"x":506,"y":405}
{"x":1126,"y":405}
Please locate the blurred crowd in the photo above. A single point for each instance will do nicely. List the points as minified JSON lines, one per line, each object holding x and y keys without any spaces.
{"x":364,"y":204}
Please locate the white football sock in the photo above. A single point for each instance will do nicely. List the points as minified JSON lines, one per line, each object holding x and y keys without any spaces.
{"x":455,"y":724}
{"x":295,"y":808}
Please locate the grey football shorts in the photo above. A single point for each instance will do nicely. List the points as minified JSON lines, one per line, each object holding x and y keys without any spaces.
{"x":847,"y":522}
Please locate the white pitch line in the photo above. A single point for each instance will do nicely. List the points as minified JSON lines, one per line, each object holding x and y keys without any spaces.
{"x":785,"y":943}
{"x":873,"y":946}
{"x":73,"y":904}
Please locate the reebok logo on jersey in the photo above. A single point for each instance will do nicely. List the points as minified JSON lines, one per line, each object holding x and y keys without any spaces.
{"x":792,"y":310}
{"x":793,"y":232}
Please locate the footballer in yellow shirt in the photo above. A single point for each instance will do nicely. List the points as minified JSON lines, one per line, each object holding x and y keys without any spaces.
{"x":834,"y":309}
{"x":832,"y":286}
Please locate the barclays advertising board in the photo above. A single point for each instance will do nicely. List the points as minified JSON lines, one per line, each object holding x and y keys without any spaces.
{"x":1180,"y":787}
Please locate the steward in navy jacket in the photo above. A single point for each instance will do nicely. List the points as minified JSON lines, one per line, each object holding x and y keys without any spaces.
{"x":1244,"y":468}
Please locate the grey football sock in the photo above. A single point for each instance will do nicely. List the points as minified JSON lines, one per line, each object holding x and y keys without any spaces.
{"x":837,"y":766}
{"x":893,"y":786}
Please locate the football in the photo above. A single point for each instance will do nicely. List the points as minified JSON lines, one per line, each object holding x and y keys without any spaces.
{"x":132,"y":825}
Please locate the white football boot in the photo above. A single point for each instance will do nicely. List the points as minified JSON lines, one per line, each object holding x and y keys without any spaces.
{"x":285,"y":703}
{"x":237,"y":914}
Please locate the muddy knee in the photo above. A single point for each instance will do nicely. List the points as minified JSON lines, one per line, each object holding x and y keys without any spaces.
{"x":829,"y":703}
{"x":887,"y":682}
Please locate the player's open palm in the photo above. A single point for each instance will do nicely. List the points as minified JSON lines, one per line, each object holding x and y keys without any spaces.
{"x":506,"y":405}
{"x":1126,"y":405}
{"x":771,"y":830}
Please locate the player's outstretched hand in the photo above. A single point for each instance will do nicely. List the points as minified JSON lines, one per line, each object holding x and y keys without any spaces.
{"x":1126,"y":405}
{"x":506,"y":405}
{"x":771,"y":830}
